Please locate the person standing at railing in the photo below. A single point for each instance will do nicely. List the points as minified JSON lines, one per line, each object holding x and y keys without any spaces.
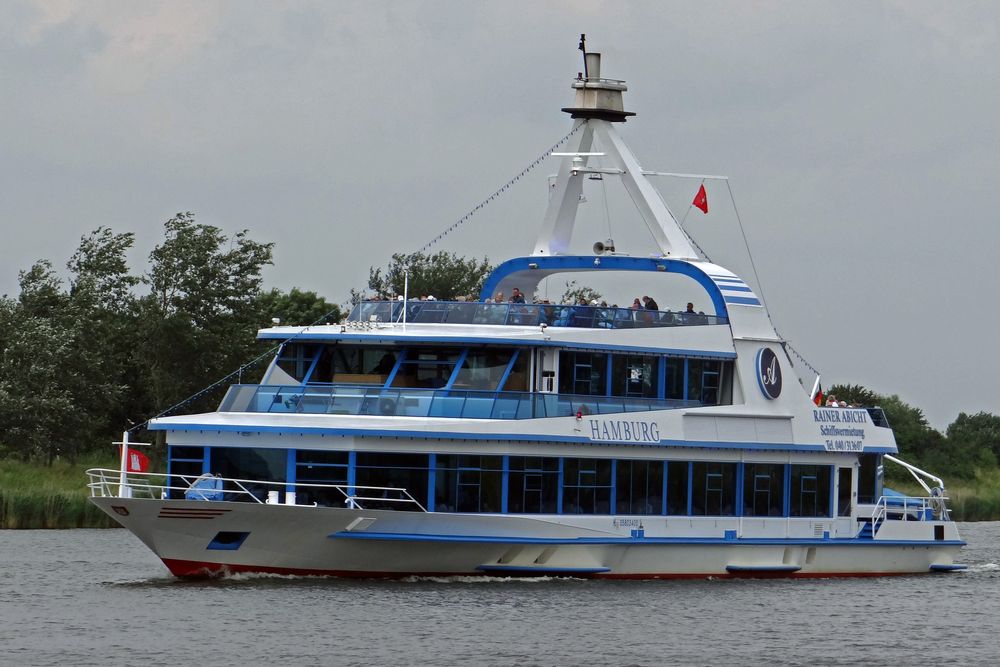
{"x":516,"y":296}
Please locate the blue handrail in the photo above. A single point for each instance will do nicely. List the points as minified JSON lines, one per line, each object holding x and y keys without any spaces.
{"x":525,"y":314}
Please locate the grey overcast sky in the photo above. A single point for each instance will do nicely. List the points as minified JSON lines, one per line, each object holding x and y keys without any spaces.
{"x":861,"y":139}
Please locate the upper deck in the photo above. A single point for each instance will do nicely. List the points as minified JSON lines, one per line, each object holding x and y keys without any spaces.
{"x":525,"y":314}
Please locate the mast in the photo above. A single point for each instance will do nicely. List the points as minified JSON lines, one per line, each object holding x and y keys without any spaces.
{"x":597,"y":108}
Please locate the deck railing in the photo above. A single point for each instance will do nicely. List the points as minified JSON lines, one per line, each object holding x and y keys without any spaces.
{"x":525,"y":314}
{"x":415,"y":402}
{"x":910,"y":508}
{"x":106,"y":483}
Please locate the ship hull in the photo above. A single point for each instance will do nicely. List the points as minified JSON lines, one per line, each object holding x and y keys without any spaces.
{"x":300,"y":540}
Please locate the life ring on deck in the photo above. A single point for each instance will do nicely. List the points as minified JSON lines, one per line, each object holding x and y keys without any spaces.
{"x":387,"y":406}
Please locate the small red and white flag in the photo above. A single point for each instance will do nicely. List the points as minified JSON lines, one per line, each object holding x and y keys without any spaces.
{"x":136,"y":461}
{"x":701,"y":199}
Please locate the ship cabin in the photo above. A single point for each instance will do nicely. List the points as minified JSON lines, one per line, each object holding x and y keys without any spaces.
{"x":374,"y":381}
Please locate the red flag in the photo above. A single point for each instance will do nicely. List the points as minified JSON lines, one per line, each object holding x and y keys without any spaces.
{"x":136,"y":461}
{"x":701,"y":199}
{"x":818,"y":399}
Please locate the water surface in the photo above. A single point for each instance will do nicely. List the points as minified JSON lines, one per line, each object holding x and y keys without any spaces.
{"x":99,"y":597}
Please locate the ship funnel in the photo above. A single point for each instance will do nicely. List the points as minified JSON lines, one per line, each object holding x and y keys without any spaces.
{"x":597,"y":97}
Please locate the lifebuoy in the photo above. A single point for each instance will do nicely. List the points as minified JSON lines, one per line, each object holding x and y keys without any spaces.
{"x":387,"y":406}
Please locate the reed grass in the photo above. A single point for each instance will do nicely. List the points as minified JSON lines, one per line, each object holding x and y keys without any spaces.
{"x":38,"y":496}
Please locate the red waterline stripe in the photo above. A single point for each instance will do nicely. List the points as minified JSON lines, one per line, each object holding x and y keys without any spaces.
{"x":190,"y":569}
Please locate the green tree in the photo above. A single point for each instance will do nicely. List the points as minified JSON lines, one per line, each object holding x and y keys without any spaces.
{"x":200,"y":318}
{"x":443,"y":275}
{"x":974,"y":441}
{"x":50,"y":373}
{"x":295,"y":308}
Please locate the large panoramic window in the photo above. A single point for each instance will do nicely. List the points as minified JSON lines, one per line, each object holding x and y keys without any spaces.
{"x":533,"y":485}
{"x":763,"y":489}
{"x":251,"y":463}
{"x":355,"y":364}
{"x":296,"y":359}
{"x":713,"y":489}
{"x":465,"y":483}
{"x":586,"y":486}
{"x":320,"y":467}
{"x":483,"y":369}
{"x":810,"y":492}
{"x":397,"y":472}
{"x":428,"y":368}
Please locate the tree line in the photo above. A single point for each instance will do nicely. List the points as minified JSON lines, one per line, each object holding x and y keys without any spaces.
{"x":83,"y":353}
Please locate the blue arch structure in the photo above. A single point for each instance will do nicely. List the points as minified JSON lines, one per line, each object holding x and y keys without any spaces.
{"x":531,"y":270}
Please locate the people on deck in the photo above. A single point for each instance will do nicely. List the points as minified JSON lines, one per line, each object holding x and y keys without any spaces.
{"x":648,"y":302}
{"x":516,"y":296}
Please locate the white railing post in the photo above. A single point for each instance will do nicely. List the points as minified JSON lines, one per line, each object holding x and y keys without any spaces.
{"x":123,"y":489}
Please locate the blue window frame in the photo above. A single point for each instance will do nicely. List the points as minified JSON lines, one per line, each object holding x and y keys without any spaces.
{"x":639,"y":487}
{"x":713,"y":488}
{"x":320,"y":467}
{"x":187,"y":461}
{"x":586,"y":487}
{"x":533,"y":485}
{"x":468,"y":483}
{"x":811,"y":492}
{"x":763,"y":489}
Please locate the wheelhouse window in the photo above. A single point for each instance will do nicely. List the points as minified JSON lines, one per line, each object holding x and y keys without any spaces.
{"x":427,"y":368}
{"x":810,"y":492}
{"x":583,"y":373}
{"x":468,"y":483}
{"x":763,"y":489}
{"x":713,"y":489}
{"x":674,"y":387}
{"x":533,"y":485}
{"x":639,"y":487}
{"x":634,"y":376}
{"x":586,"y":486}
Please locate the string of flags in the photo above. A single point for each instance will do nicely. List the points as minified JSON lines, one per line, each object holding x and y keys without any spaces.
{"x":495,"y":195}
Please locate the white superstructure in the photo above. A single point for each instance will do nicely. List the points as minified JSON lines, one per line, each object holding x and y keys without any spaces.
{"x":475,"y":437}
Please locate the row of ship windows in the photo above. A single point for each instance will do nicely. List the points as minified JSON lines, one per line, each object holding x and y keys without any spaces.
{"x":519,"y":484}
{"x":506,"y":369}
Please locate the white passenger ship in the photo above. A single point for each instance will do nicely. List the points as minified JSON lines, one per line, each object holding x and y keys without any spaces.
{"x":479,"y":438}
